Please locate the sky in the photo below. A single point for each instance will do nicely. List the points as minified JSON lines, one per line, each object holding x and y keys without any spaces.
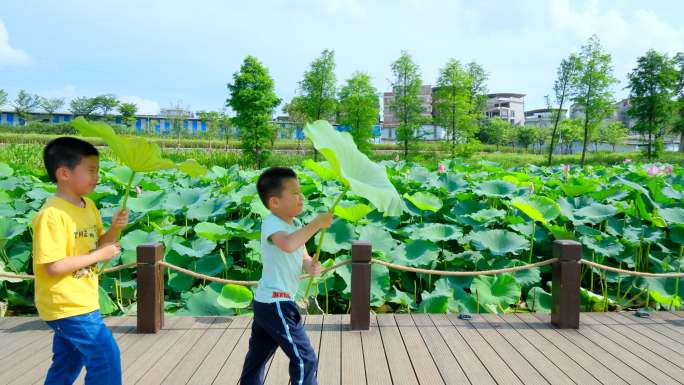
{"x":159,"y":54}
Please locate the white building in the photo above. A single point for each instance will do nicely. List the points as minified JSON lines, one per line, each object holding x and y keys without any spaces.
{"x":543,"y":117}
{"x":508,"y":106}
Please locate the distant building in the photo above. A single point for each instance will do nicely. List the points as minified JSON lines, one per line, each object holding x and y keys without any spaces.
{"x":507,"y":106}
{"x":390,"y":123}
{"x":619,"y":113}
{"x":151,"y":123}
{"x":543,"y":117}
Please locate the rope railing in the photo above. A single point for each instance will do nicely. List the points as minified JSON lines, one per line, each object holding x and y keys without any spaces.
{"x":463,"y":273}
{"x":4,"y":274}
{"x":206,"y":277}
{"x":630,"y":272}
{"x":239,"y":282}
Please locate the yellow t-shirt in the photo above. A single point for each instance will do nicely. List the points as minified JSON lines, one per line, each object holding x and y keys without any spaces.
{"x":62,"y":230}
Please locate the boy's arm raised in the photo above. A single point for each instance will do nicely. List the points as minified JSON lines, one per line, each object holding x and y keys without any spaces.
{"x":291,"y":242}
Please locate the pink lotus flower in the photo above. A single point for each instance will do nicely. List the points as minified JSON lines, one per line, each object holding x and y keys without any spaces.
{"x":566,"y":168}
{"x":653,"y":170}
{"x":669,"y":169}
{"x":627,"y":161}
{"x":138,"y":190}
{"x":441,"y":168}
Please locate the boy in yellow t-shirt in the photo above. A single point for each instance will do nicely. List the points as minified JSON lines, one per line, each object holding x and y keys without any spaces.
{"x":68,"y":242}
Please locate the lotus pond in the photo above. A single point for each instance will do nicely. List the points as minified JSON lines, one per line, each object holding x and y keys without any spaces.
{"x":461,"y":216}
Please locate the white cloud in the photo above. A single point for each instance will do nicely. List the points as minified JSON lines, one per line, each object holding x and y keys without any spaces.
{"x":635,"y":30}
{"x":354,"y":8}
{"x":145,"y":106}
{"x":8,"y":54}
{"x":68,"y":92}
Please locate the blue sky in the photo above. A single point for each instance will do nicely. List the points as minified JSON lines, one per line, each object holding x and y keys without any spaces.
{"x":159,"y":53}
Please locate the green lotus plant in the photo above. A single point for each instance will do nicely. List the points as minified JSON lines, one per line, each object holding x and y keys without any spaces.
{"x":353,"y":170}
{"x":136,"y":153}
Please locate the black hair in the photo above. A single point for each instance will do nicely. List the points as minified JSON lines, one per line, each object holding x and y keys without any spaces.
{"x":270,"y":182}
{"x":66,"y":152}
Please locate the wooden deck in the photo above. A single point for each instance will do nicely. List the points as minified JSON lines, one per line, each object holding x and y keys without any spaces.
{"x":609,"y":348}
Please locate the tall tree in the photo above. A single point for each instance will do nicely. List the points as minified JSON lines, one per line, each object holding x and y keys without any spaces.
{"x":591,"y":88}
{"x":569,"y":132}
{"x":451,"y":101}
{"x":318,"y":88}
{"x":82,"y":106}
{"x":3,"y":97}
{"x":25,"y":104}
{"x":128,"y":111}
{"x":51,"y":105}
{"x":253,"y":99}
{"x":679,"y":112}
{"x":105,"y":103}
{"x":407,"y":104}
{"x":652,"y":88}
{"x":359,"y":109}
{"x":478,"y":92}
{"x":561,"y":89}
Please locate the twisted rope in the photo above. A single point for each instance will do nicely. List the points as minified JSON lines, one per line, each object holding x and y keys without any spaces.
{"x":4,"y":274}
{"x":206,"y":277}
{"x":629,"y":272}
{"x":237,"y":282}
{"x":463,"y":273}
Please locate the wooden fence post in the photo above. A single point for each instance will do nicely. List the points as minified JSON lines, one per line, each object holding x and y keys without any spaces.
{"x":360,"y":286}
{"x":150,"y":288}
{"x":565,"y":289}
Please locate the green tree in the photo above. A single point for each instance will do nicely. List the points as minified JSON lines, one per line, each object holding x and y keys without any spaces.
{"x":82,"y":106}
{"x":569,"y":132}
{"x":407,"y":104}
{"x":318,"y":87}
{"x":253,"y":99}
{"x":359,"y":109}
{"x":613,"y":133}
{"x":451,"y":101}
{"x":212,"y":119}
{"x":225,"y":124}
{"x":3,"y":97}
{"x":105,"y":103}
{"x":297,"y":116}
{"x":25,"y":104}
{"x":527,"y":135}
{"x":678,"y":126}
{"x":561,"y":89}
{"x":128,"y":111}
{"x":497,"y":131}
{"x":591,"y":88}
{"x":51,"y":105}
{"x":478,"y":93}
{"x":653,"y":86}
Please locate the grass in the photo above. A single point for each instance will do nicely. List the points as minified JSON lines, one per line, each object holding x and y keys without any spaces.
{"x":28,"y":156}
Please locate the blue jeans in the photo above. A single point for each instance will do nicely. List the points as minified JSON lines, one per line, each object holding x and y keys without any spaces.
{"x":84,"y":340}
{"x":279,"y":324}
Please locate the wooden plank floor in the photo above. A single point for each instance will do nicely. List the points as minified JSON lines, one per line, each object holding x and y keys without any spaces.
{"x":425,"y":349}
